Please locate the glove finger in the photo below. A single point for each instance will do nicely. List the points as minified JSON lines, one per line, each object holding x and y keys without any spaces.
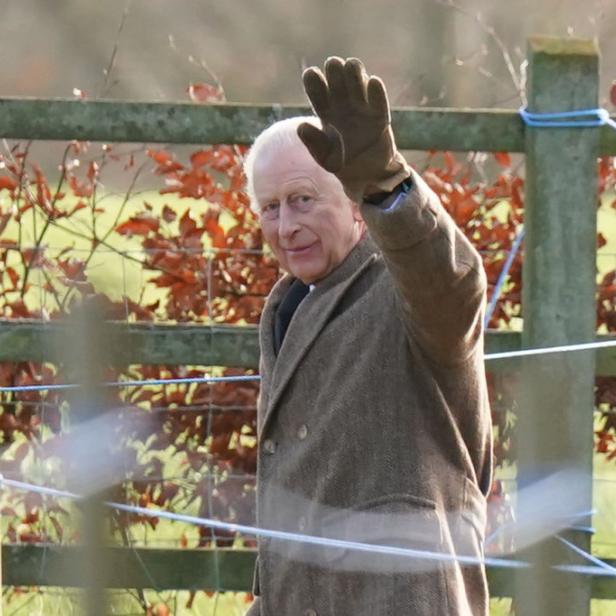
{"x":316,"y":90}
{"x":356,"y":78}
{"x":377,"y":99}
{"x":334,"y":72}
{"x":325,"y":146}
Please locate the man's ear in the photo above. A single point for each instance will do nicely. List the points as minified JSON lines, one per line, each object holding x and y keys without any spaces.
{"x":357,"y":217}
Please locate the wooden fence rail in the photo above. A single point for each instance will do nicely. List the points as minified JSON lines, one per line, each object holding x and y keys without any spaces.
{"x":173,"y":569}
{"x":204,"y":345}
{"x":416,"y":128}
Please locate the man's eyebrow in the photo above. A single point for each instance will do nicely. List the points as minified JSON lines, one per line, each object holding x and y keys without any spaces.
{"x":266,"y":195}
{"x":300,"y":182}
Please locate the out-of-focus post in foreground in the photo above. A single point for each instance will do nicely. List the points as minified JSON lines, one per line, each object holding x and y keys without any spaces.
{"x":88,"y":353}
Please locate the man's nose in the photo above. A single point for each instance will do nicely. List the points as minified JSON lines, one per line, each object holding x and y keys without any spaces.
{"x":288,"y":222}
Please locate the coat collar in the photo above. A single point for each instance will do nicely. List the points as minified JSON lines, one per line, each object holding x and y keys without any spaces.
{"x":309,"y":319}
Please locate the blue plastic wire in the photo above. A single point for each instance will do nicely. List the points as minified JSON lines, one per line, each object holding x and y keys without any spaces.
{"x":586,"y":570}
{"x":567,"y":119}
{"x":564,"y":348}
{"x":600,"y":568}
{"x":183,"y":381}
{"x":275,"y":534}
{"x":593,"y":559}
{"x":513,"y":251}
{"x":589,"y":530}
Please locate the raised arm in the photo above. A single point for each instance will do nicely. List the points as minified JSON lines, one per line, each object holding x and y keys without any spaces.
{"x":438,"y":273}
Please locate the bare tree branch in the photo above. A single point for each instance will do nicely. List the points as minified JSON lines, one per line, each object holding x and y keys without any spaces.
{"x":114,"y":52}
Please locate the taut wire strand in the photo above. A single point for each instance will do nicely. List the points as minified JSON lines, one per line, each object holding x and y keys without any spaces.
{"x":275,"y":534}
{"x":503,"y":276}
{"x":593,"y":559}
{"x":602,"y":569}
{"x":138,"y":383}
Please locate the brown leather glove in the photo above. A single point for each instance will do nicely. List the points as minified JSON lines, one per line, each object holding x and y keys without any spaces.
{"x":356,"y":143}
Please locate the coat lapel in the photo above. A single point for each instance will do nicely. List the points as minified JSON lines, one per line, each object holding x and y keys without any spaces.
{"x":309,"y":319}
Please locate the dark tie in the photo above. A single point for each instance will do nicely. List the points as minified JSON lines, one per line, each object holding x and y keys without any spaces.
{"x":296,"y":293}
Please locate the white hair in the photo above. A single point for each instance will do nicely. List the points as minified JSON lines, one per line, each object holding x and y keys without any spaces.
{"x":275,"y":137}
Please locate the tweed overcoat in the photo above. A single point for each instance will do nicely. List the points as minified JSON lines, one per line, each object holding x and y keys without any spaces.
{"x":376,"y":404}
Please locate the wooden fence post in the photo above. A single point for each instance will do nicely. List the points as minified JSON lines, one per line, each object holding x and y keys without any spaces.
{"x":88,"y":354}
{"x":556,"y":403}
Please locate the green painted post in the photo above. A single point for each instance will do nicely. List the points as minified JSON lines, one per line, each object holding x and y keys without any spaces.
{"x":556,"y":397}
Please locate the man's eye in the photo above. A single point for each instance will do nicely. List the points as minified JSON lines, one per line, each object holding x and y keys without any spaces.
{"x":270,"y":209}
{"x":302,"y":201}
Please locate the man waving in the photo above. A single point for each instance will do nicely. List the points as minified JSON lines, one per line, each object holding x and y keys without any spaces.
{"x":373,"y":420}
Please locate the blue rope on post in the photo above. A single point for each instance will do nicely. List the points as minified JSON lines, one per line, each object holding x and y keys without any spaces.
{"x":568,"y":119}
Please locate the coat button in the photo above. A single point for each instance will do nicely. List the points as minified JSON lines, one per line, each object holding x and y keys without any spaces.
{"x":302,"y":432}
{"x":269,"y":446}
{"x":310,"y":612}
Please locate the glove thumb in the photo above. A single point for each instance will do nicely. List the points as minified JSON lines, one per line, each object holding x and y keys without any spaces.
{"x":325,"y":146}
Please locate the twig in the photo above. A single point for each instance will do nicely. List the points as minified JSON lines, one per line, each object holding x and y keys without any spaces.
{"x":22,"y":175}
{"x":127,"y":543}
{"x":114,"y":51}
{"x":52,"y":288}
{"x":127,"y":196}
{"x":50,"y":216}
{"x":96,"y":241}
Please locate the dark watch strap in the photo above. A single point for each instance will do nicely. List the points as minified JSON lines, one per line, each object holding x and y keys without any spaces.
{"x":378,"y":198}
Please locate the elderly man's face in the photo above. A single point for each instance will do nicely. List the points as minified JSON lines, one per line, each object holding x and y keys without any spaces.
{"x":305,"y":215}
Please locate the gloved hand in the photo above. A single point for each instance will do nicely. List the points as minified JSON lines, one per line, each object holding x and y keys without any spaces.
{"x":356,"y":144}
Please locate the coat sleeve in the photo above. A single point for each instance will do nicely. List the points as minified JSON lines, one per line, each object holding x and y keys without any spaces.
{"x":438,"y":274}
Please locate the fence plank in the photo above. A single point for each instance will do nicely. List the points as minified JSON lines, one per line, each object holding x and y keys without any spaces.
{"x":173,"y":569}
{"x":416,"y":129}
{"x":487,"y":130}
{"x":194,"y":569}
{"x":142,"y":343}
{"x":187,"y":344}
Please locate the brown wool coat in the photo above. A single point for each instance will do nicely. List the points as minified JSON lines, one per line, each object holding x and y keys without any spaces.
{"x":377,"y":405}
